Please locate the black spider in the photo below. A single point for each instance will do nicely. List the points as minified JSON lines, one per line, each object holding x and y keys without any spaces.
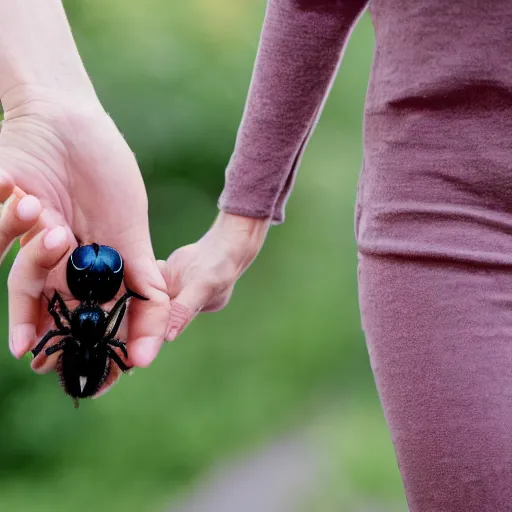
{"x":94,"y":275}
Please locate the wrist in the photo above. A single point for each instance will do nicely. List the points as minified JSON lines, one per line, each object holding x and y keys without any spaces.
{"x":26,"y":99}
{"x":243,"y":236}
{"x":37,"y":49}
{"x":15,"y":92}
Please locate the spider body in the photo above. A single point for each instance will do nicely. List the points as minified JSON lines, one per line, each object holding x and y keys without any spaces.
{"x":88,"y":333}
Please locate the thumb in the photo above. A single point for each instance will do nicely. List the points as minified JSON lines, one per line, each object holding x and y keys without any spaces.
{"x":147,"y":320}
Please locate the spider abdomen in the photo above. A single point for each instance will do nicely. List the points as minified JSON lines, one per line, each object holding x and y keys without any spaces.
{"x":83,"y":371}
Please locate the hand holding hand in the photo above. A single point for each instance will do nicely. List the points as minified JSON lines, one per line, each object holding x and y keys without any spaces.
{"x":201,"y":276}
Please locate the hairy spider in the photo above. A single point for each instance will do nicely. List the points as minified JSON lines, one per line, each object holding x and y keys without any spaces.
{"x":94,"y":275}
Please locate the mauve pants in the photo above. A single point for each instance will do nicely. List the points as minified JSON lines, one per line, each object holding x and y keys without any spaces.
{"x":439,"y":336}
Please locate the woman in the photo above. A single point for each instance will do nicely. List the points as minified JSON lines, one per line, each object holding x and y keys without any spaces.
{"x":432,"y":221}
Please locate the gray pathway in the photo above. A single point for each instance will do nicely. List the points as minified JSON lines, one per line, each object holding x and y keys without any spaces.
{"x":280,"y":477}
{"x":276,"y":479}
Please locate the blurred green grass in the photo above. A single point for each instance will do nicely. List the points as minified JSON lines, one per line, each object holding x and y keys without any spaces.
{"x":174,"y":78}
{"x":359,"y":471}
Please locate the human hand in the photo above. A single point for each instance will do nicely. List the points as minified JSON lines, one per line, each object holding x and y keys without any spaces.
{"x":201,"y":276}
{"x":67,"y":152}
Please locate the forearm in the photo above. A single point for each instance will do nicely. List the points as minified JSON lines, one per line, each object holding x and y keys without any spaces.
{"x":37,"y":51}
{"x":301,"y":45}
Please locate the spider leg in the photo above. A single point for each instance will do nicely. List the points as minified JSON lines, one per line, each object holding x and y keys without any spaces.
{"x":58,"y":346}
{"x":57,"y":299}
{"x":135,"y":294}
{"x":113,"y":355}
{"x":113,"y":331}
{"x":64,"y":309}
{"x":119,"y":344}
{"x":47,"y":337}
{"x":117,"y":312}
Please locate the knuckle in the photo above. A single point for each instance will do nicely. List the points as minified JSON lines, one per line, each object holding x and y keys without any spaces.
{"x":15,"y":277}
{"x":42,"y":262}
{"x":179,"y":253}
{"x":218,"y":282}
{"x":47,"y":262}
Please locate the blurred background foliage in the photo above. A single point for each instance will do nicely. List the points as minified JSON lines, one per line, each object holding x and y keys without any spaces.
{"x":174,"y":76}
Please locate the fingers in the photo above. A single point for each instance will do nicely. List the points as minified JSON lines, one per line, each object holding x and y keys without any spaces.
{"x":20,"y":213}
{"x":48,"y":219}
{"x":147,"y":320}
{"x":207,"y":291}
{"x":42,"y":363}
{"x":26,"y":283}
{"x":184,"y":308}
{"x":6,"y":186}
{"x":188,"y":301}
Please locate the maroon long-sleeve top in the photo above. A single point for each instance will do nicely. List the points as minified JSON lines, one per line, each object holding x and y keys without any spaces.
{"x":435,"y":133}
{"x":433,"y":219}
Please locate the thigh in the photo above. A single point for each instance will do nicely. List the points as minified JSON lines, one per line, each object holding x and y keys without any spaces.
{"x":439,"y":337}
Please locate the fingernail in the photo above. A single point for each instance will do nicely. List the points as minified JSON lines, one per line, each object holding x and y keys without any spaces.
{"x":55,"y":238}
{"x":28,"y":208}
{"x":172,"y":334}
{"x":22,"y":339}
{"x":101,"y":393}
{"x":144,"y":350}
